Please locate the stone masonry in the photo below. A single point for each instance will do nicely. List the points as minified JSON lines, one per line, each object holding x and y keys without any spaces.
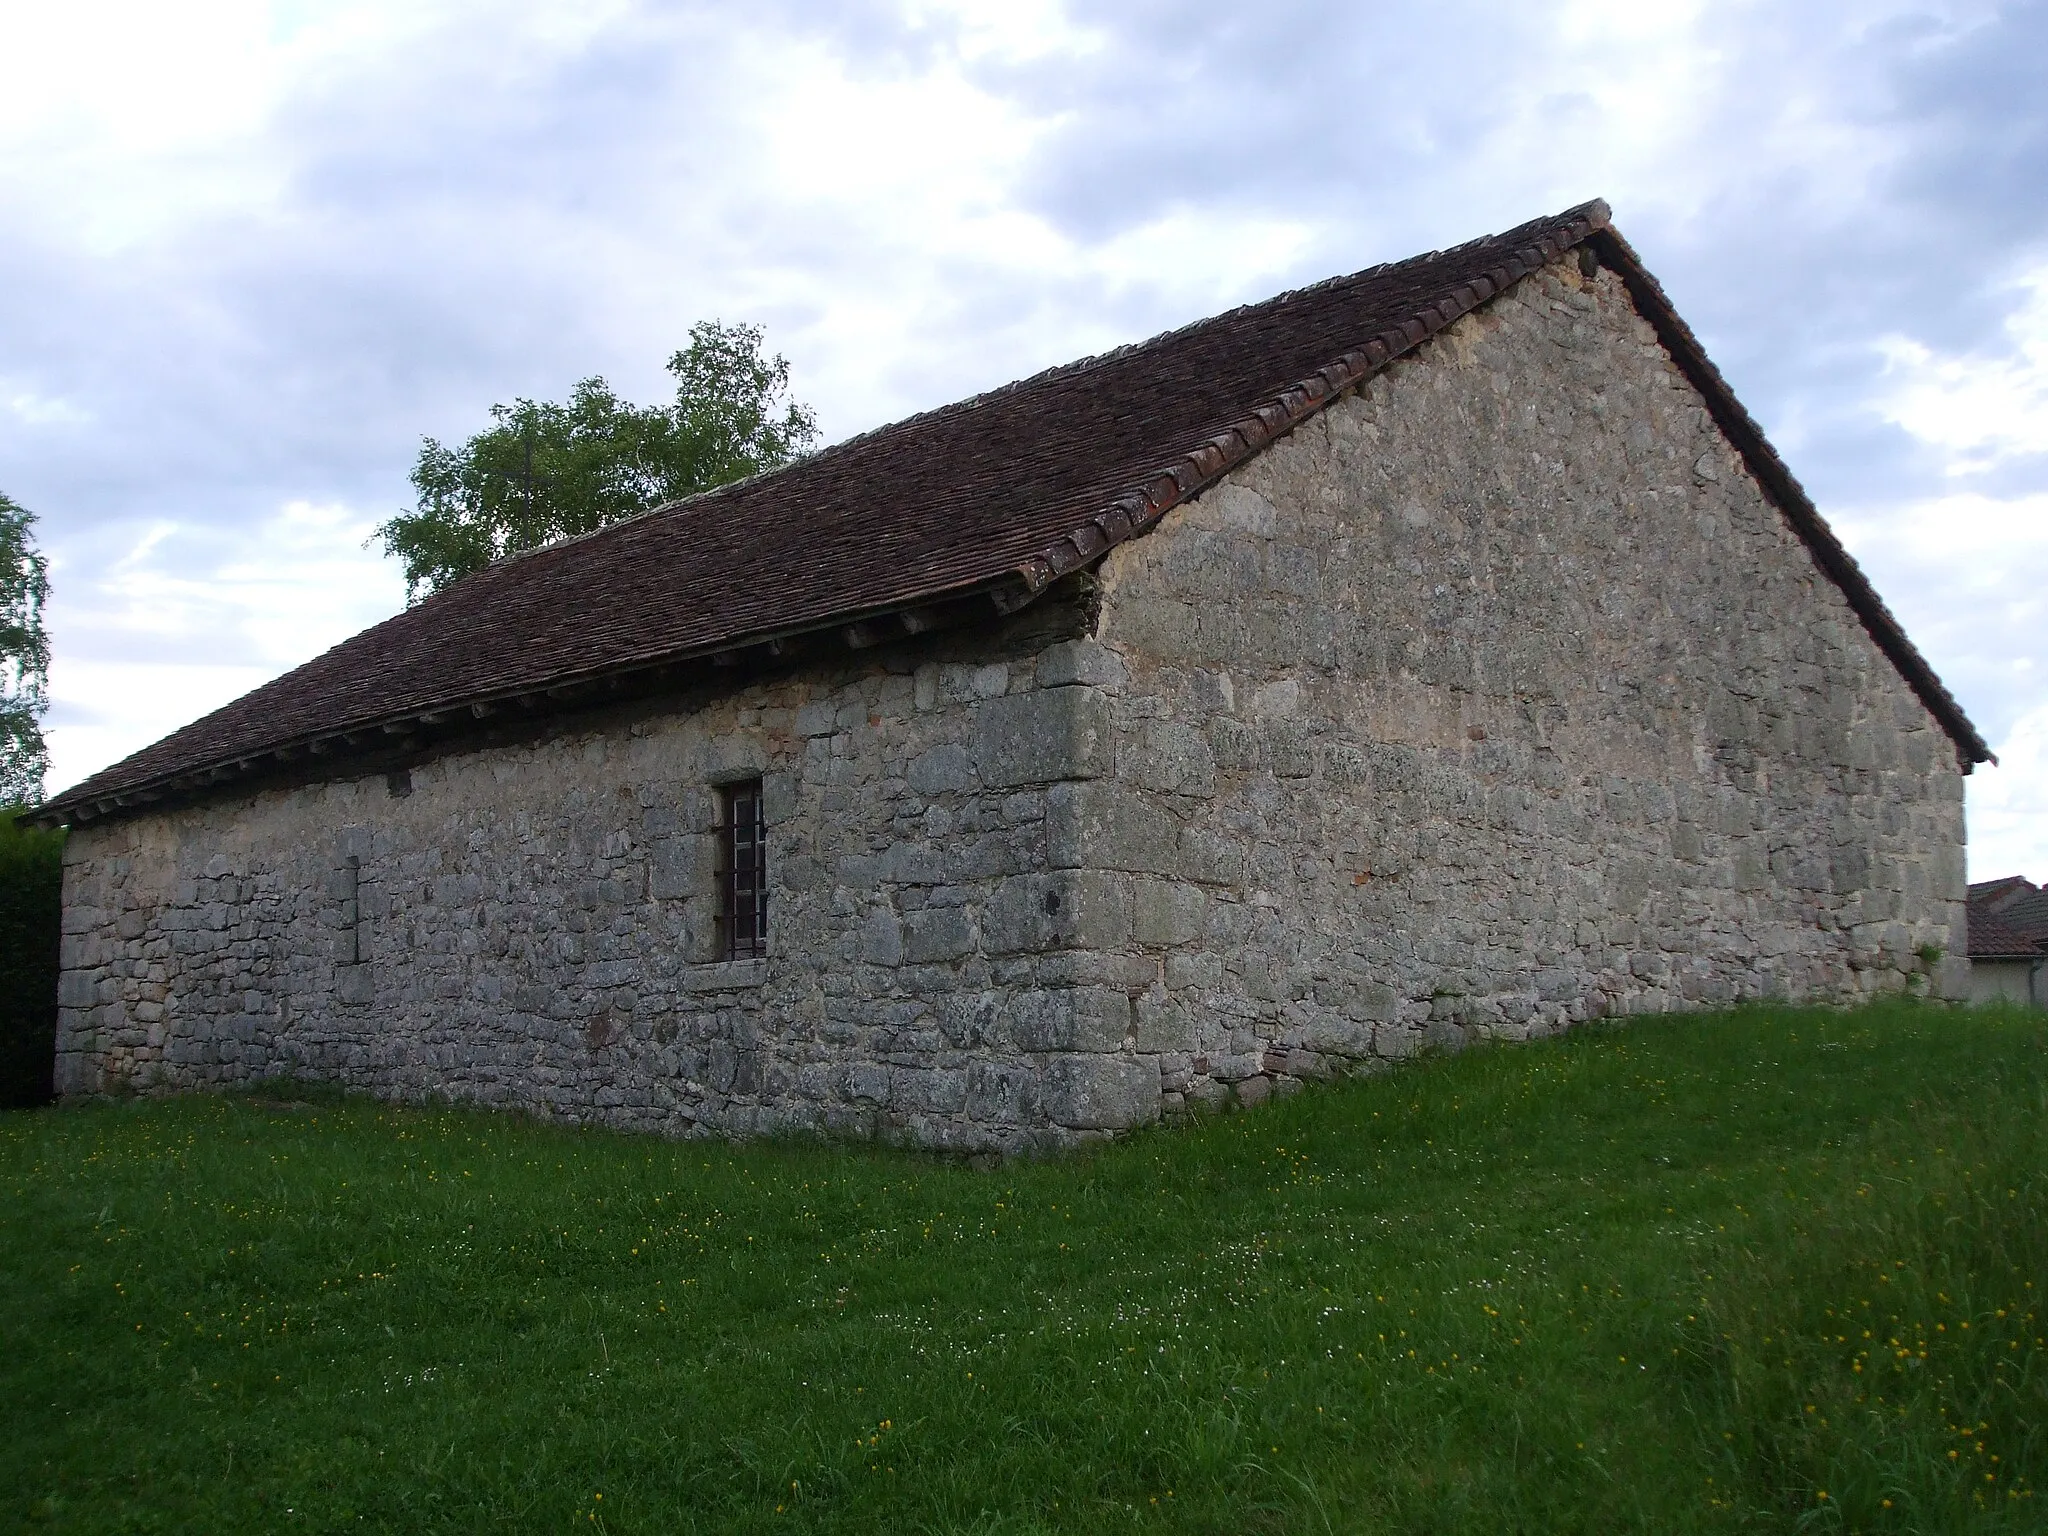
{"x":1496,"y":697}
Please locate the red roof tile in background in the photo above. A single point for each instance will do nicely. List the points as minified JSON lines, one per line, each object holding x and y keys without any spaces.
{"x":1992,"y":938}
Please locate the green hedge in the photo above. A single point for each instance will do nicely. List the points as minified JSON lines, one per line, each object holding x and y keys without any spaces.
{"x":31,"y":907}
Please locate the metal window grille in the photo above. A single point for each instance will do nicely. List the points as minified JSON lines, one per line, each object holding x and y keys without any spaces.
{"x":744,"y":846}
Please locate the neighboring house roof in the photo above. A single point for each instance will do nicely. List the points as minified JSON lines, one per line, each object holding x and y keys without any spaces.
{"x":1992,"y":938}
{"x":2008,"y":919}
{"x":1996,"y":895}
{"x":993,"y":498}
{"x":2026,"y":913}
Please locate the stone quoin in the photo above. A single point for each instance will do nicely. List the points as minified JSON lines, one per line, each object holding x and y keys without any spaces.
{"x":1435,"y":652}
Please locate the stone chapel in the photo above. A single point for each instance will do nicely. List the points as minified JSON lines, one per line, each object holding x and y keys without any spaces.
{"x":1438,"y":650}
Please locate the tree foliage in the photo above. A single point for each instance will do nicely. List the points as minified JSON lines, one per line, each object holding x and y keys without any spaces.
{"x":31,"y":922}
{"x":24,"y":657}
{"x":544,"y":471}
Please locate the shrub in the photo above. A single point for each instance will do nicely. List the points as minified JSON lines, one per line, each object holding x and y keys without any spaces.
{"x":31,"y":897}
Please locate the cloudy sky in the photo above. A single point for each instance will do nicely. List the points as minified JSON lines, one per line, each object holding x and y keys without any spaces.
{"x":250,"y":253}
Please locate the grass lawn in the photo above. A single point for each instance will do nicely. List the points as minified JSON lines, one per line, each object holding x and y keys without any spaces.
{"x":1770,"y":1270}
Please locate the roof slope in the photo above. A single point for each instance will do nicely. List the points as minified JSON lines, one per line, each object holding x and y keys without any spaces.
{"x":2027,"y":914}
{"x":1990,"y":937}
{"x":1002,"y":493}
{"x":2007,"y":919}
{"x":1995,"y":894}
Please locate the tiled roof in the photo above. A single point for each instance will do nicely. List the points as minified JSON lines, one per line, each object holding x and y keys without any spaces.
{"x":993,"y":498}
{"x":2026,"y":913}
{"x":1992,"y":938}
{"x":1998,"y":892}
{"x":2016,"y":902}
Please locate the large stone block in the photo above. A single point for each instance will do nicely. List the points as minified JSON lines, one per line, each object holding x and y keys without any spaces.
{"x":1162,"y":1023}
{"x":1237,"y":506}
{"x":1065,"y":909}
{"x":1168,"y":912}
{"x":1001,"y":1094}
{"x":937,"y":934}
{"x":942,"y":1092}
{"x":971,"y":1020}
{"x":1171,"y":757}
{"x":1107,"y":825}
{"x":77,"y":1072}
{"x":1094,"y":910}
{"x":1234,"y":744}
{"x":1081,"y":661}
{"x":1022,"y":916}
{"x":1041,"y":737}
{"x":681,"y":867}
{"x":881,"y":938}
{"x":1088,"y":1018}
{"x":1102,"y":1093}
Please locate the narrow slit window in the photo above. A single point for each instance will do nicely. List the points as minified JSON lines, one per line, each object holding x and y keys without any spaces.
{"x":744,"y":854}
{"x":352,"y":910}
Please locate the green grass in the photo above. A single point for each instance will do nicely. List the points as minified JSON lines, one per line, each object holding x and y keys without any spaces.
{"x":1761,"y":1271}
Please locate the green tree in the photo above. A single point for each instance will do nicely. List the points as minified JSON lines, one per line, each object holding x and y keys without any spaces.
{"x":24,"y":657}
{"x":31,"y":926}
{"x":544,"y":471}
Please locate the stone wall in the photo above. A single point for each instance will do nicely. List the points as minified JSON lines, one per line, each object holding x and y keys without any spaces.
{"x":1496,"y":698}
{"x":533,"y":925}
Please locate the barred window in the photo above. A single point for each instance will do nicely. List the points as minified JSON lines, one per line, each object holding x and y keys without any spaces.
{"x":743,"y":855}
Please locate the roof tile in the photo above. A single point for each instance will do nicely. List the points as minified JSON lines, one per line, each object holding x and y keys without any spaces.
{"x":1991,"y":937}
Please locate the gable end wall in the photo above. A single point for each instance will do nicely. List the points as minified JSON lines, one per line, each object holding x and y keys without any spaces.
{"x":1496,"y":697}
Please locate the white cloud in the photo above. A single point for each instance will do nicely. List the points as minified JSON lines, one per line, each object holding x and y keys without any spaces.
{"x":1982,"y":410}
{"x":167,"y":634}
{"x":31,"y":409}
{"x":1008,"y":31}
{"x":2009,"y":805}
{"x":1982,"y":538}
{"x":122,"y":119}
{"x":1968,"y":576}
{"x":131,"y":120}
{"x":106,"y":710}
